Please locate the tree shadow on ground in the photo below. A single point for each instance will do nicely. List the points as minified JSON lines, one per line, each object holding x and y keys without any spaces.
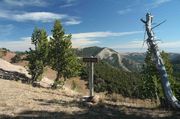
{"x":60,"y":94}
{"x":98,"y":111}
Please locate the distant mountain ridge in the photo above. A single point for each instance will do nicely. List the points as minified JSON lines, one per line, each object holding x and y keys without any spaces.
{"x":112,"y":57}
{"x":131,"y":62}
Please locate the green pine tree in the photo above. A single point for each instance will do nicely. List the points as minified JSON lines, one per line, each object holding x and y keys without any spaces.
{"x":62,"y":58}
{"x":151,"y":84}
{"x":38,"y":57}
{"x":149,"y":78}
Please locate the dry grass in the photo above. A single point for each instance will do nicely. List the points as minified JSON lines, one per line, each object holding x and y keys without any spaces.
{"x":80,"y":85}
{"x":120,"y":100}
{"x":19,"y":100}
{"x":16,"y":97}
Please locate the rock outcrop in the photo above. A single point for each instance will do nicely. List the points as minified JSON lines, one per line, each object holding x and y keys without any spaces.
{"x":13,"y":72}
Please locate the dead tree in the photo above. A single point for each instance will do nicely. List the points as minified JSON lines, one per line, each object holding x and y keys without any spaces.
{"x":170,"y":98}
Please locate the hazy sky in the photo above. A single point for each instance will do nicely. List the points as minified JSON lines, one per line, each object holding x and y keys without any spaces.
{"x":105,"y":23}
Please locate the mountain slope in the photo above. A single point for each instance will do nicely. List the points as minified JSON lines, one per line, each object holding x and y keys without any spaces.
{"x":131,"y":62}
{"x":114,"y":58}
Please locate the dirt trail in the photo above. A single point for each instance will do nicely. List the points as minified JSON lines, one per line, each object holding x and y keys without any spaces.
{"x":19,"y":100}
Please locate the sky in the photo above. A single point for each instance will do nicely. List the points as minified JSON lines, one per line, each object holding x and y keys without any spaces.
{"x":106,"y":23}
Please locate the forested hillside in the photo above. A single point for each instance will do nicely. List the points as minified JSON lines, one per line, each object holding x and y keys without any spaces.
{"x":131,"y":61}
{"x":113,"y":80}
{"x":142,"y":83}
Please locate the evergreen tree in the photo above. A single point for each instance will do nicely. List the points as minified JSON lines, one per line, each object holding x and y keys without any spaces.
{"x":35,"y":37}
{"x":38,"y":57}
{"x":149,"y":77}
{"x":151,"y":83}
{"x":63,"y":59}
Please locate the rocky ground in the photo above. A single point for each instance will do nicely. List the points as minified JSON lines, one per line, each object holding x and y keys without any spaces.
{"x":20,"y":101}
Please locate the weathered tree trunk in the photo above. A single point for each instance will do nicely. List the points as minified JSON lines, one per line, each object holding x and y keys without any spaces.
{"x":57,"y":76}
{"x":171,"y":99}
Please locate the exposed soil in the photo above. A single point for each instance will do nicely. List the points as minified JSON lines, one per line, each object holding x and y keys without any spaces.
{"x":8,"y":55}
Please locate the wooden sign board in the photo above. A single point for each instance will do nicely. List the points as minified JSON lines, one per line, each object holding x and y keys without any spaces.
{"x":89,"y":59}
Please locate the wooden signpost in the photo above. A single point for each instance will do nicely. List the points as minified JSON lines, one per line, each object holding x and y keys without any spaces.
{"x":91,"y":60}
